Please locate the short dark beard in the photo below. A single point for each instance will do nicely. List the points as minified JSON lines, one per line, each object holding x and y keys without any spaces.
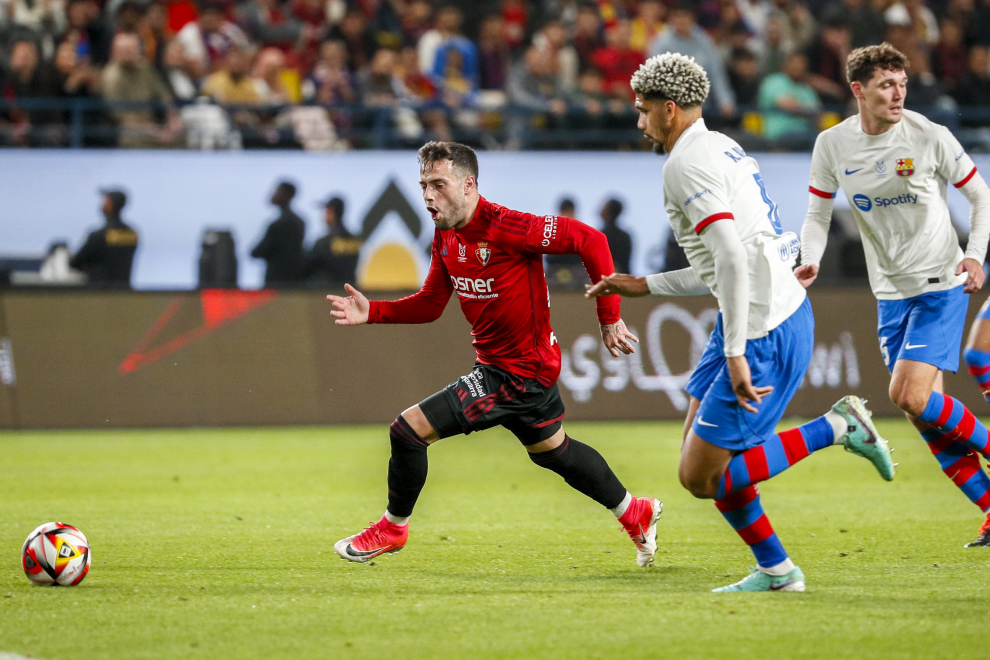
{"x":659,"y":149}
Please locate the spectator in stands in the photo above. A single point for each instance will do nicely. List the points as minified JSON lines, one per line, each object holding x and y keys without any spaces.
{"x":647,"y":25}
{"x":128,"y":17}
{"x":176,"y":72}
{"x":950,"y":58}
{"x":494,"y":54}
{"x":107,"y":256}
{"x":129,"y":77}
{"x":924,"y":89}
{"x":354,"y":32}
{"x":790,"y":103}
{"x":270,"y":77}
{"x":973,"y":88}
{"x":566,"y":271}
{"x":458,"y":91}
{"x":154,"y":33}
{"x":87,"y":32}
{"x":77,"y":78}
{"x":827,"y":60}
{"x":755,"y":14}
{"x":29,"y":78}
{"x":42,"y":19}
{"x":619,"y":241}
{"x":233,"y":83}
{"x":590,"y":94}
{"x":744,"y":75}
{"x":564,"y":58}
{"x":774,"y":50}
{"x":267,"y":23}
{"x":417,"y":21}
{"x":797,"y":25}
{"x":331,"y":81}
{"x":334,"y":257}
{"x":687,"y":38}
{"x":514,"y":16}
{"x":533,"y":86}
{"x":914,"y":14}
{"x":314,"y":29}
{"x":866,"y":25}
{"x":617,"y":60}
{"x":588,"y":35}
{"x":282,"y":245}
{"x":421,"y":94}
{"x":452,"y":41}
{"x":207,"y":41}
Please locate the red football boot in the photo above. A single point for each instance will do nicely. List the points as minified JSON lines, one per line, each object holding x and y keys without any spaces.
{"x":379,"y":538}
{"x":640,"y":523}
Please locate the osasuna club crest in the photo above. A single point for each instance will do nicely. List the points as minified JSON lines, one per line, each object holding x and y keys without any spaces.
{"x":483,"y":253}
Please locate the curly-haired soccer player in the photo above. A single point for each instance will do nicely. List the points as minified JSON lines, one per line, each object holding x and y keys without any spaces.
{"x":757,"y":356}
{"x":492,"y":258}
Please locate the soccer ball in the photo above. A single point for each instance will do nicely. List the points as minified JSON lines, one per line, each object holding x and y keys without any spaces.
{"x":56,"y":554}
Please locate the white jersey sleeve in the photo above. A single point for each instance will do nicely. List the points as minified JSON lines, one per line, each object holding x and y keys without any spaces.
{"x":956,"y":167}
{"x":821,"y":198}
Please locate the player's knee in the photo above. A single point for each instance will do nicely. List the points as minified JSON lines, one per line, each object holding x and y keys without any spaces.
{"x":401,"y":433}
{"x":698,"y":485}
{"x":909,"y":399}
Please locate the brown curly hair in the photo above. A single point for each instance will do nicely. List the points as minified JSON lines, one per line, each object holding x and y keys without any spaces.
{"x":863,"y":62}
{"x":462,"y":157}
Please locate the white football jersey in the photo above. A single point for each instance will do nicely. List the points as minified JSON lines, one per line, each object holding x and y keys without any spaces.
{"x":709,"y":177}
{"x":896,"y":183}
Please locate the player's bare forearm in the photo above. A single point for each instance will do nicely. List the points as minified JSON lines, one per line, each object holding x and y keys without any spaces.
{"x":617,"y":338}
{"x":974,"y":274}
{"x":619,"y":284}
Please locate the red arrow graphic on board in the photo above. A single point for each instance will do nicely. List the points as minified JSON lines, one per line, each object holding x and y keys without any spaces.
{"x":219,"y":306}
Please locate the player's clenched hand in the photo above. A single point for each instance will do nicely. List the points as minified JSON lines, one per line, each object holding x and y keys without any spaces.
{"x":618,"y":338}
{"x":352,"y":310}
{"x":974,"y":274}
{"x":618,"y":284}
{"x":806,"y":274}
{"x":742,"y":384}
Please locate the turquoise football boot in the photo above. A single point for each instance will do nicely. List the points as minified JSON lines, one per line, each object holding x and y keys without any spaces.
{"x":862,"y":437}
{"x":757,"y":580}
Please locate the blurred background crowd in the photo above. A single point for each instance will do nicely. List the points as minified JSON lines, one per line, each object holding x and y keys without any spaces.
{"x":498,"y":74}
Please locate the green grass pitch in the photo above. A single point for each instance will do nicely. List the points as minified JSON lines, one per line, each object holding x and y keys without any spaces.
{"x":218,"y":544}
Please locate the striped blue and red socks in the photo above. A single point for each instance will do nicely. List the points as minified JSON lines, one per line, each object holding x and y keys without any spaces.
{"x":954,"y":421}
{"x":772,"y":457}
{"x":962,"y":465}
{"x":738,"y":498}
{"x":979,"y":368}
{"x":744,"y":512}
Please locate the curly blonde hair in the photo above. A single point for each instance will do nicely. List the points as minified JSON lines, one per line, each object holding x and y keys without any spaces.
{"x":672,"y":77}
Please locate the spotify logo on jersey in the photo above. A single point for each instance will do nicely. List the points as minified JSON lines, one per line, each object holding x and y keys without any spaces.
{"x":862,"y":202}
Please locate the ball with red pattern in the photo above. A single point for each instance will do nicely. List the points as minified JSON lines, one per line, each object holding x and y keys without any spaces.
{"x":56,"y":554}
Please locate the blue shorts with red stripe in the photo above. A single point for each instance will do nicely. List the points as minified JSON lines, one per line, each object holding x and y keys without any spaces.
{"x":779,"y":359}
{"x":926,"y":328}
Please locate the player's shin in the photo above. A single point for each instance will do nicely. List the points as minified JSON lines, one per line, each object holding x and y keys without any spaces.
{"x":979,"y":368}
{"x":584,"y":470}
{"x":775,"y":455}
{"x":960,"y":465}
{"x":744,"y":512}
{"x":407,"y":469}
{"x":955,"y":421}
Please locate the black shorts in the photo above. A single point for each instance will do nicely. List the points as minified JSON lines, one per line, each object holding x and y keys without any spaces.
{"x":489,"y":397}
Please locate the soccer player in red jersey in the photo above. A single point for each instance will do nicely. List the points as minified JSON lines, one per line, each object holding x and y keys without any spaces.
{"x":492,"y":258}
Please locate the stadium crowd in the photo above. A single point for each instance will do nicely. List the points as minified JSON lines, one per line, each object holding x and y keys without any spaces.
{"x":334,"y":74}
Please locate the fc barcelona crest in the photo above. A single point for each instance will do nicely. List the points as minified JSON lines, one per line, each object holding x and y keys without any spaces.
{"x":905,"y":167}
{"x":483,"y":253}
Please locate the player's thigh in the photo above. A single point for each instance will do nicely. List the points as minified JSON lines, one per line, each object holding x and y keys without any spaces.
{"x":534,"y":416}
{"x":702,"y":465}
{"x":979,"y":333}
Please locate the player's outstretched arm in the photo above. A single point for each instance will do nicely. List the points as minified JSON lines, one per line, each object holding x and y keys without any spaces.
{"x":618,"y":338}
{"x":352,"y":310}
{"x":618,"y":284}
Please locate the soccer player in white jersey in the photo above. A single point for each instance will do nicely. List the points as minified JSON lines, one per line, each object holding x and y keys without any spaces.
{"x":757,"y":356}
{"x":894,"y":166}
